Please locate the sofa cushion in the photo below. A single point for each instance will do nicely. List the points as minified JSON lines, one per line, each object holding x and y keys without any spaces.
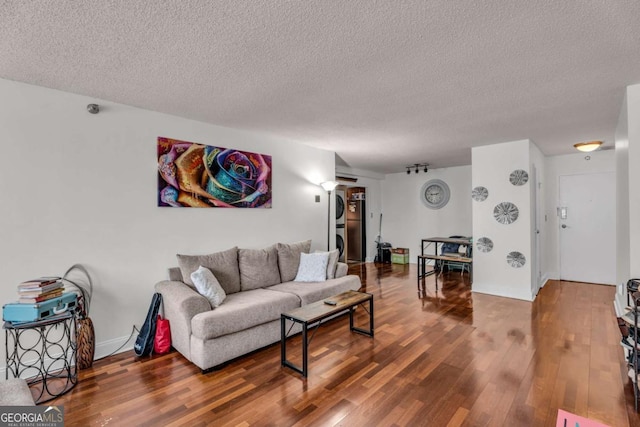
{"x":333,"y":262}
{"x":258,"y":268}
{"x":208,"y":286}
{"x":223,"y":265}
{"x":309,"y":292}
{"x":289,"y":258}
{"x":313,"y":267}
{"x":242,"y":310}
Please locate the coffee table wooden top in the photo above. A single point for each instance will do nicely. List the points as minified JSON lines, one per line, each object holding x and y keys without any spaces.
{"x":319,"y":310}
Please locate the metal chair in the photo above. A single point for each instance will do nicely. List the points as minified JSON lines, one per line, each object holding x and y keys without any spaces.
{"x":453,"y":250}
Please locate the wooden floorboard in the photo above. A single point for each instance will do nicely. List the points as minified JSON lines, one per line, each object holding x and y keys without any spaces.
{"x":439,"y":358}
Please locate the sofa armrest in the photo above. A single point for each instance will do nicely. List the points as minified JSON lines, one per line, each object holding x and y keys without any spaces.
{"x":180,"y":303}
{"x":341,"y":269}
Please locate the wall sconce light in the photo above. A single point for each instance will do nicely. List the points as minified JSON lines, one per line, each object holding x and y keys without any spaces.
{"x":588,"y":146}
{"x":417,"y":167}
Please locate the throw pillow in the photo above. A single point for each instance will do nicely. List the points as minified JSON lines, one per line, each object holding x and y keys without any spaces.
{"x":333,"y":262}
{"x":289,"y":258}
{"x":313,"y":267}
{"x":208,"y":286}
{"x":258,"y":268}
{"x":224,"y":265}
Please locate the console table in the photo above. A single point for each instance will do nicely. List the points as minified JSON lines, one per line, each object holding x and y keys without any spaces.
{"x":435,"y":241}
{"x":44,"y":353}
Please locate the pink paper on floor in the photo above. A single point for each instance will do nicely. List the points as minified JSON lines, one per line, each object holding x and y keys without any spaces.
{"x":567,"y":419}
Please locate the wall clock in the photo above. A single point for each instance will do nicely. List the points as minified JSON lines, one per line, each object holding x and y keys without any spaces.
{"x":435,"y":194}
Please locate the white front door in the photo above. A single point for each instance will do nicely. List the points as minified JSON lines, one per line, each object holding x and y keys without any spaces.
{"x":587,"y":213}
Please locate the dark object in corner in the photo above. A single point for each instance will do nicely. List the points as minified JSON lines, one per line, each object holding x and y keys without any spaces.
{"x":144,"y":342}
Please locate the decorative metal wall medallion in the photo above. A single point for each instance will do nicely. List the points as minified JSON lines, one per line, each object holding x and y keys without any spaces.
{"x":519,"y":177}
{"x":480,"y":194}
{"x":506,"y":213}
{"x":484,"y":244}
{"x":516,"y":259}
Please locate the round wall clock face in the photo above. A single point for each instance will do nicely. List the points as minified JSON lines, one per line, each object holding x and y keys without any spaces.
{"x":435,"y":194}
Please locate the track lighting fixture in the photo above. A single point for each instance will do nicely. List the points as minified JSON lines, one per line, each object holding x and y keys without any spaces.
{"x":416,"y":168}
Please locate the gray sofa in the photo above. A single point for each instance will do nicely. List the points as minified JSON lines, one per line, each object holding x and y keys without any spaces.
{"x":259,"y":286}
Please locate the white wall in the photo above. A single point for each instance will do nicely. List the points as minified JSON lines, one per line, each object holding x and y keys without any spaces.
{"x":406,"y":220}
{"x":81,"y":188}
{"x":556,"y":166}
{"x":539,"y":229}
{"x":633,"y":117}
{"x":628,"y":193}
{"x":623,"y":243}
{"x":491,"y":272}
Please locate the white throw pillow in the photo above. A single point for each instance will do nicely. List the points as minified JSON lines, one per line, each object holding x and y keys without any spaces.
{"x":208,"y":286}
{"x":312,"y":268}
{"x":333,"y":262}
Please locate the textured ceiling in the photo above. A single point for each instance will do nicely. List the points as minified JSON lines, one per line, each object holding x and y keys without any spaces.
{"x":382,"y":83}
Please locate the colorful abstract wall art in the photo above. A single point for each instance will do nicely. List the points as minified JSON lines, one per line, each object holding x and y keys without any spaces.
{"x":203,"y":176}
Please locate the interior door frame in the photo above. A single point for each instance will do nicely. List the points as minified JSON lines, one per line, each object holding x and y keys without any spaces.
{"x":559,"y":205}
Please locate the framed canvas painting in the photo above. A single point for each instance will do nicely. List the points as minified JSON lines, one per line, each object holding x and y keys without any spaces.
{"x":205,"y":176}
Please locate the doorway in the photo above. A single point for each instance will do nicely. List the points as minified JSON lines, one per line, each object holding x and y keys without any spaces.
{"x":587,"y":215}
{"x":351,"y":225}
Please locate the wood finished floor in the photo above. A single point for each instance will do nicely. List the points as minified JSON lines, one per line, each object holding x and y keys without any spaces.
{"x":444,"y":358}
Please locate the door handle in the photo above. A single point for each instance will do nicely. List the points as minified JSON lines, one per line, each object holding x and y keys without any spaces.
{"x":564,"y":225}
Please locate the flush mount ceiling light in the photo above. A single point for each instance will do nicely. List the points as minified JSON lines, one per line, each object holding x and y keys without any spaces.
{"x":588,"y":146}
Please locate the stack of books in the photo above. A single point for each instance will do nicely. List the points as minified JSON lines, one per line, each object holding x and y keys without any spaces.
{"x":39,"y":290}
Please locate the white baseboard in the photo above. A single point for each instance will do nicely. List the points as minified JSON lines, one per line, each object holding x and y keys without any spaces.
{"x":103,"y":349}
{"x":106,"y":348}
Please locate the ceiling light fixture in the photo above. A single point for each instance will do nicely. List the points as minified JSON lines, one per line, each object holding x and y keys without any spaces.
{"x":588,"y":146}
{"x":416,"y":168}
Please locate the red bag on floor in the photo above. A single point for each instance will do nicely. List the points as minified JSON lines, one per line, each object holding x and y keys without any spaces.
{"x":162,"y":341}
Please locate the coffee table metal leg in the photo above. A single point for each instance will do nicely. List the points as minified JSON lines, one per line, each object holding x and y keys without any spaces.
{"x":360,"y":330}
{"x":283,"y":342}
{"x":304,"y":349}
{"x":371,"y":315}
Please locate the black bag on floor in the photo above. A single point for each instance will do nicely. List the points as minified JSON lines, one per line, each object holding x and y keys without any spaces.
{"x":144,"y":342}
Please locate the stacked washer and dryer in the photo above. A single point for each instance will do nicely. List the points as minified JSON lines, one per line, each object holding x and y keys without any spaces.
{"x":340,"y":222}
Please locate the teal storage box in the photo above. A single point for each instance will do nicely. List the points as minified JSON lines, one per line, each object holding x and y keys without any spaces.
{"x":16,"y":312}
